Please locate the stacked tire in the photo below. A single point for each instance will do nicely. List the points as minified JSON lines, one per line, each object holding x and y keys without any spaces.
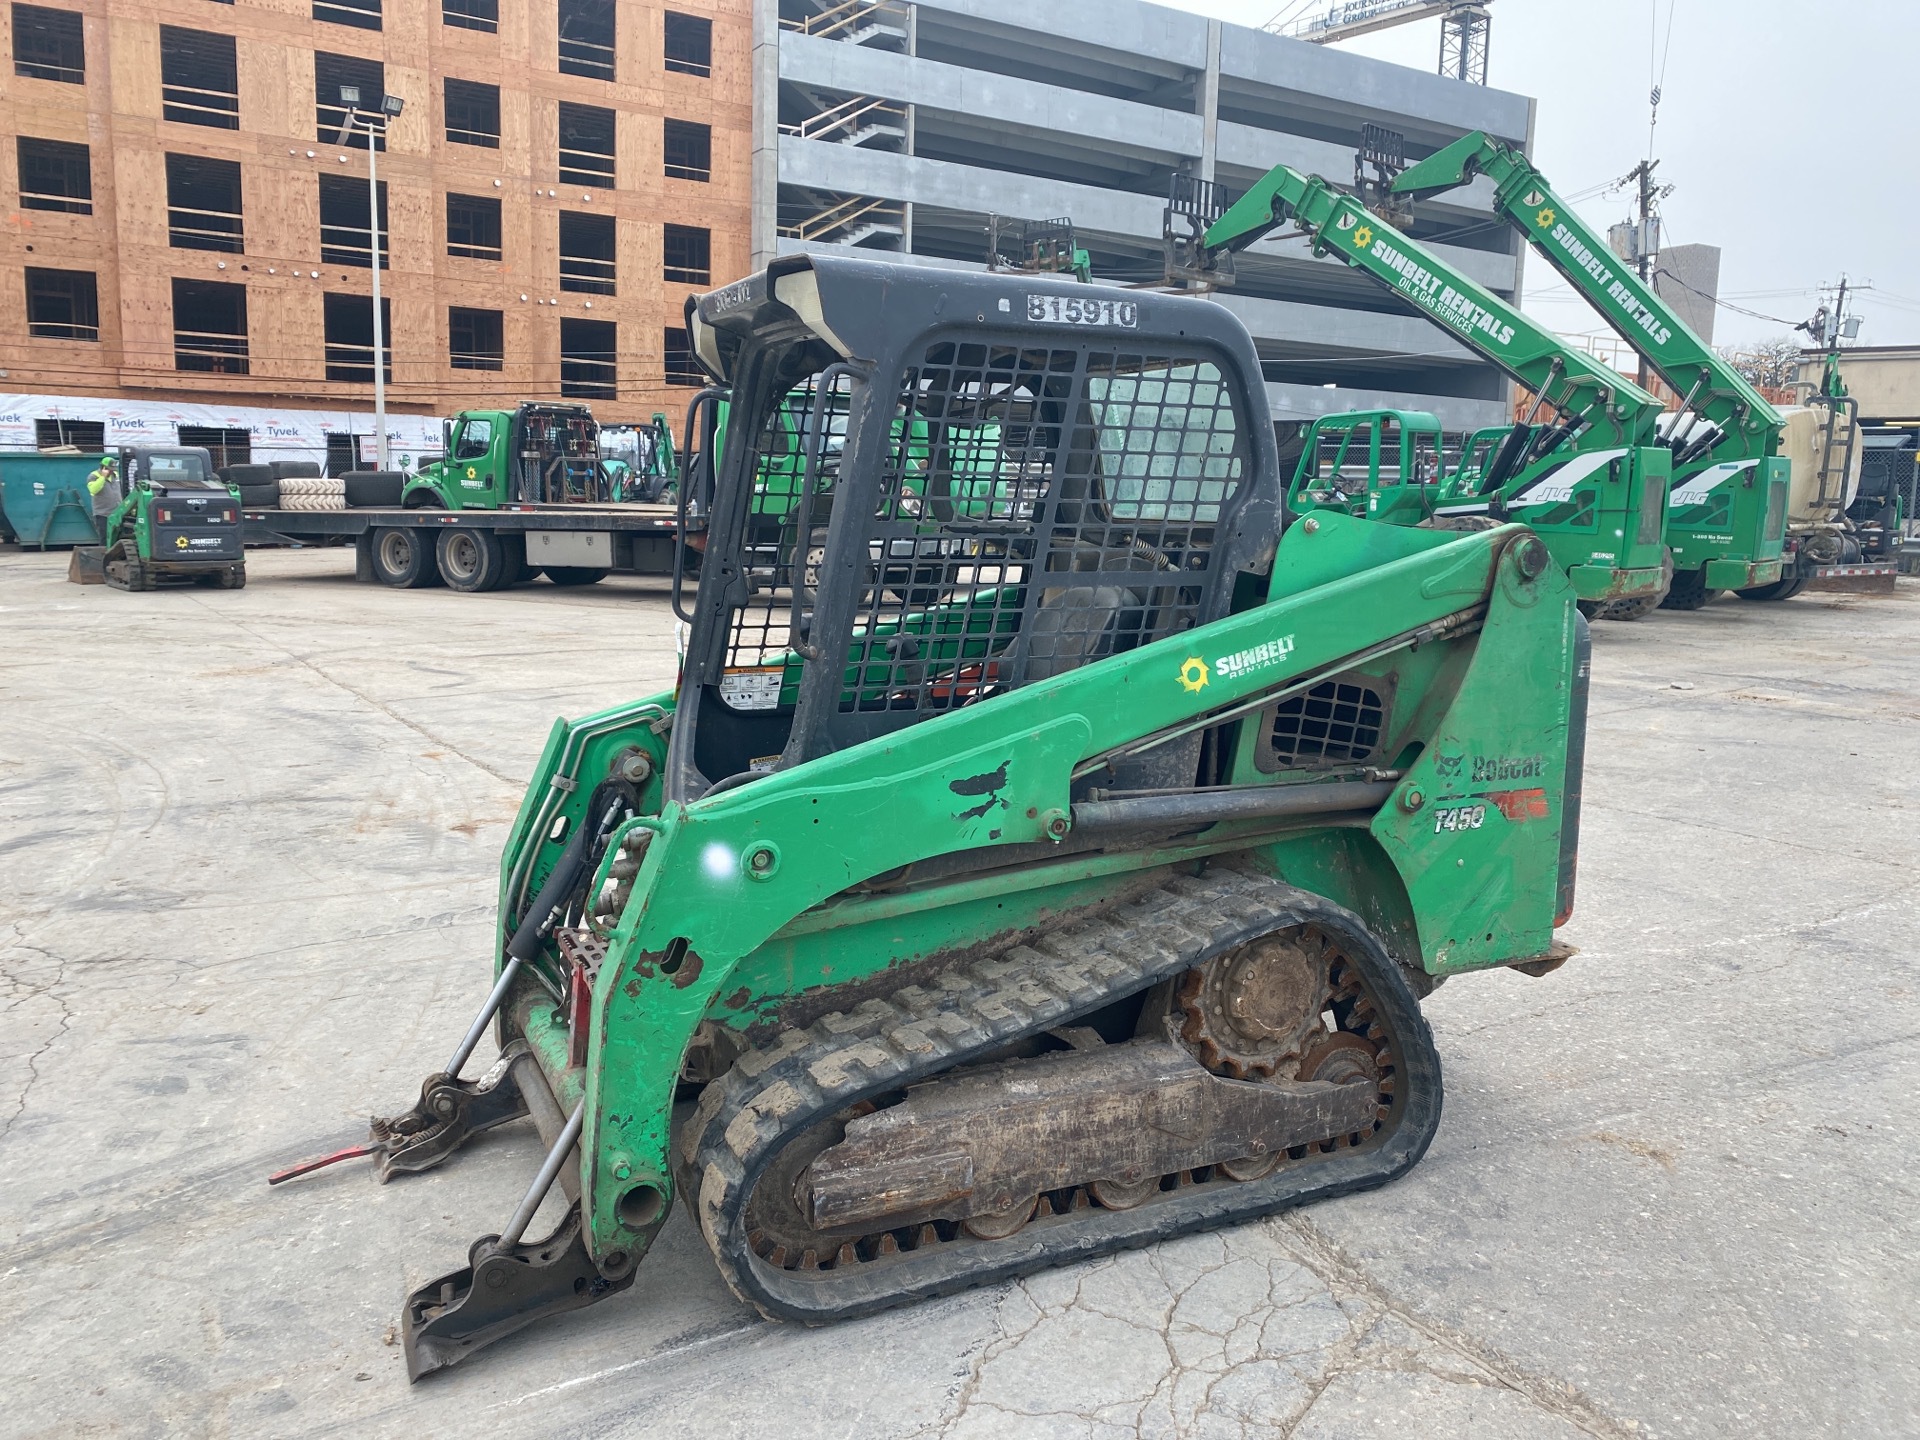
{"x":259,"y":487}
{"x":312,"y":492}
{"x":374,"y":488}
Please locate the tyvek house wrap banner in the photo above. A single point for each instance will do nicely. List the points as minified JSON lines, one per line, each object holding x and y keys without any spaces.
{"x":278,"y":434}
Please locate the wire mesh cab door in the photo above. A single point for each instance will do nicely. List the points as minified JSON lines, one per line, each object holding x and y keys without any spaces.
{"x":935,"y":488}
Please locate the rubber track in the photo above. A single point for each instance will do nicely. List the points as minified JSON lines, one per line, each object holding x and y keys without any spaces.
{"x":773,"y":1094}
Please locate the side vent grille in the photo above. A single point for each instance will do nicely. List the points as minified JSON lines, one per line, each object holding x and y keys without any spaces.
{"x":1336,"y":722}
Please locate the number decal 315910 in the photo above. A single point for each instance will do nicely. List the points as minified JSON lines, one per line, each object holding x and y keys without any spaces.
{"x":1460,"y":817}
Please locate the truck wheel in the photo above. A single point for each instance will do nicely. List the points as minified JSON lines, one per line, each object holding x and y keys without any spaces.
{"x":403,"y":559}
{"x":1640,"y":606}
{"x":1689,"y":591}
{"x":472,"y":561}
{"x":1779,"y":590}
{"x":518,"y":571}
{"x":574,"y":574}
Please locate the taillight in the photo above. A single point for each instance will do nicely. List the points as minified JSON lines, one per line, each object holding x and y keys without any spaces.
{"x":166,"y":517}
{"x":228,"y":516}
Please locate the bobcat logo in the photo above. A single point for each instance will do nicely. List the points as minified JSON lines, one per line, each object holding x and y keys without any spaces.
{"x":1447,"y":766}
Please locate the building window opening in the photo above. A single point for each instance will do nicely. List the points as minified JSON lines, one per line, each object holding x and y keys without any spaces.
{"x":346,"y":235}
{"x":342,"y":454}
{"x":63,"y":304}
{"x":349,"y":333}
{"x":473,"y":113}
{"x":199,"y":78}
{"x":55,"y":175}
{"x":203,"y":204}
{"x":689,"y":150}
{"x":471,"y":14}
{"x":226,"y":445}
{"x":688,"y":252}
{"x":681,"y":367}
{"x":689,"y":44}
{"x":586,"y":144}
{"x":58,"y":434}
{"x":588,"y":360}
{"x":586,"y":38}
{"x":473,"y":227}
{"x":363,"y":14}
{"x":586,"y":253}
{"x":330,"y":74}
{"x":476,"y":339}
{"x":210,"y":327}
{"x":49,"y":44}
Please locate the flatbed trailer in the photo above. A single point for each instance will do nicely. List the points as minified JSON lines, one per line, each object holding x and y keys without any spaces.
{"x":479,"y":550}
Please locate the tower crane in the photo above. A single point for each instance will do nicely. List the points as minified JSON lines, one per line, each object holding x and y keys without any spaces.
{"x":1464,"y":28}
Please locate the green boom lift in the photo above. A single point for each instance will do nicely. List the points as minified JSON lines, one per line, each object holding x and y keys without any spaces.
{"x":1592,"y":482}
{"x":1081,"y":892}
{"x":1727,"y":513}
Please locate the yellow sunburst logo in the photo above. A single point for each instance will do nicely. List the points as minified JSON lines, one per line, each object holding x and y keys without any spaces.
{"x":1546,"y":218}
{"x":1194,"y":675}
{"x":179,"y":542}
{"x":1363,"y":237}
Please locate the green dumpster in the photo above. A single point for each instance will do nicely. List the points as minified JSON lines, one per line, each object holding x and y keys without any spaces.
{"x":44,"y":500}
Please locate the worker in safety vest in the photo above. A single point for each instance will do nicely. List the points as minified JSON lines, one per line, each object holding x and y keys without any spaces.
{"x":107,"y":492}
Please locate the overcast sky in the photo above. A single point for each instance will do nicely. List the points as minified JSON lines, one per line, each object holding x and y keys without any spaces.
{"x":1787,"y":128}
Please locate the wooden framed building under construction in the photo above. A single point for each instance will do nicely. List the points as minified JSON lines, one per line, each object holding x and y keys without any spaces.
{"x":185,"y":223}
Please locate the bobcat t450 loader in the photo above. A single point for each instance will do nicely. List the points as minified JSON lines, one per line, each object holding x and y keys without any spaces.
{"x":1070,"y":887}
{"x":178,"y":522}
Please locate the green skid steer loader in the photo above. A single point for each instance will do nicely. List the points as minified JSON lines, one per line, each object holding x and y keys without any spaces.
{"x":1067,"y":888}
{"x":179,"y":523}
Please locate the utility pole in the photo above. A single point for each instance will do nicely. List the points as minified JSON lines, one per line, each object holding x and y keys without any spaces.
{"x":389,"y":108}
{"x":379,"y":354}
{"x":1644,"y":243}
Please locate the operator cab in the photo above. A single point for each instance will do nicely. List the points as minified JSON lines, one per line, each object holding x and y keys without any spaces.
{"x":978,"y":483}
{"x":1351,"y":462}
{"x":171,"y":470}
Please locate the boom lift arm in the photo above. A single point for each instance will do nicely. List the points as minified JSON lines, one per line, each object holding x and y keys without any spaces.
{"x":1587,"y":394}
{"x":1723,"y":418}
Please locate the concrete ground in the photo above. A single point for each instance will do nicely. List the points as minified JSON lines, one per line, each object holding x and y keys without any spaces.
{"x":247,"y":854}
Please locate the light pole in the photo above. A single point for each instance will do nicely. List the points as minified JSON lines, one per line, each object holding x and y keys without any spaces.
{"x":390,"y":106}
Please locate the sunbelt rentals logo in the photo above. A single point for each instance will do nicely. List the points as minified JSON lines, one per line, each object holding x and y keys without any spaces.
{"x":1196,"y":672}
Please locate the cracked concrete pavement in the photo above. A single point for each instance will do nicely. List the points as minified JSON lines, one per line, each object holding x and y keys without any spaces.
{"x":249,"y":845}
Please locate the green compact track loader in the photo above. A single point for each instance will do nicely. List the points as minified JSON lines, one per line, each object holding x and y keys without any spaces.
{"x":1060,"y":873}
{"x":178,"y":523}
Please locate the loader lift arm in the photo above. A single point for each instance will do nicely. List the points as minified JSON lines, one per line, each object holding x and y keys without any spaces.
{"x":1587,"y":394}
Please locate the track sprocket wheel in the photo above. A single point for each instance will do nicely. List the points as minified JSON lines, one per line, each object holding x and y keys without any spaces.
{"x":1252,"y":1012}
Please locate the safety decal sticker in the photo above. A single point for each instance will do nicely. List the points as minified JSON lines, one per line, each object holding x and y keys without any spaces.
{"x":754,"y":689}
